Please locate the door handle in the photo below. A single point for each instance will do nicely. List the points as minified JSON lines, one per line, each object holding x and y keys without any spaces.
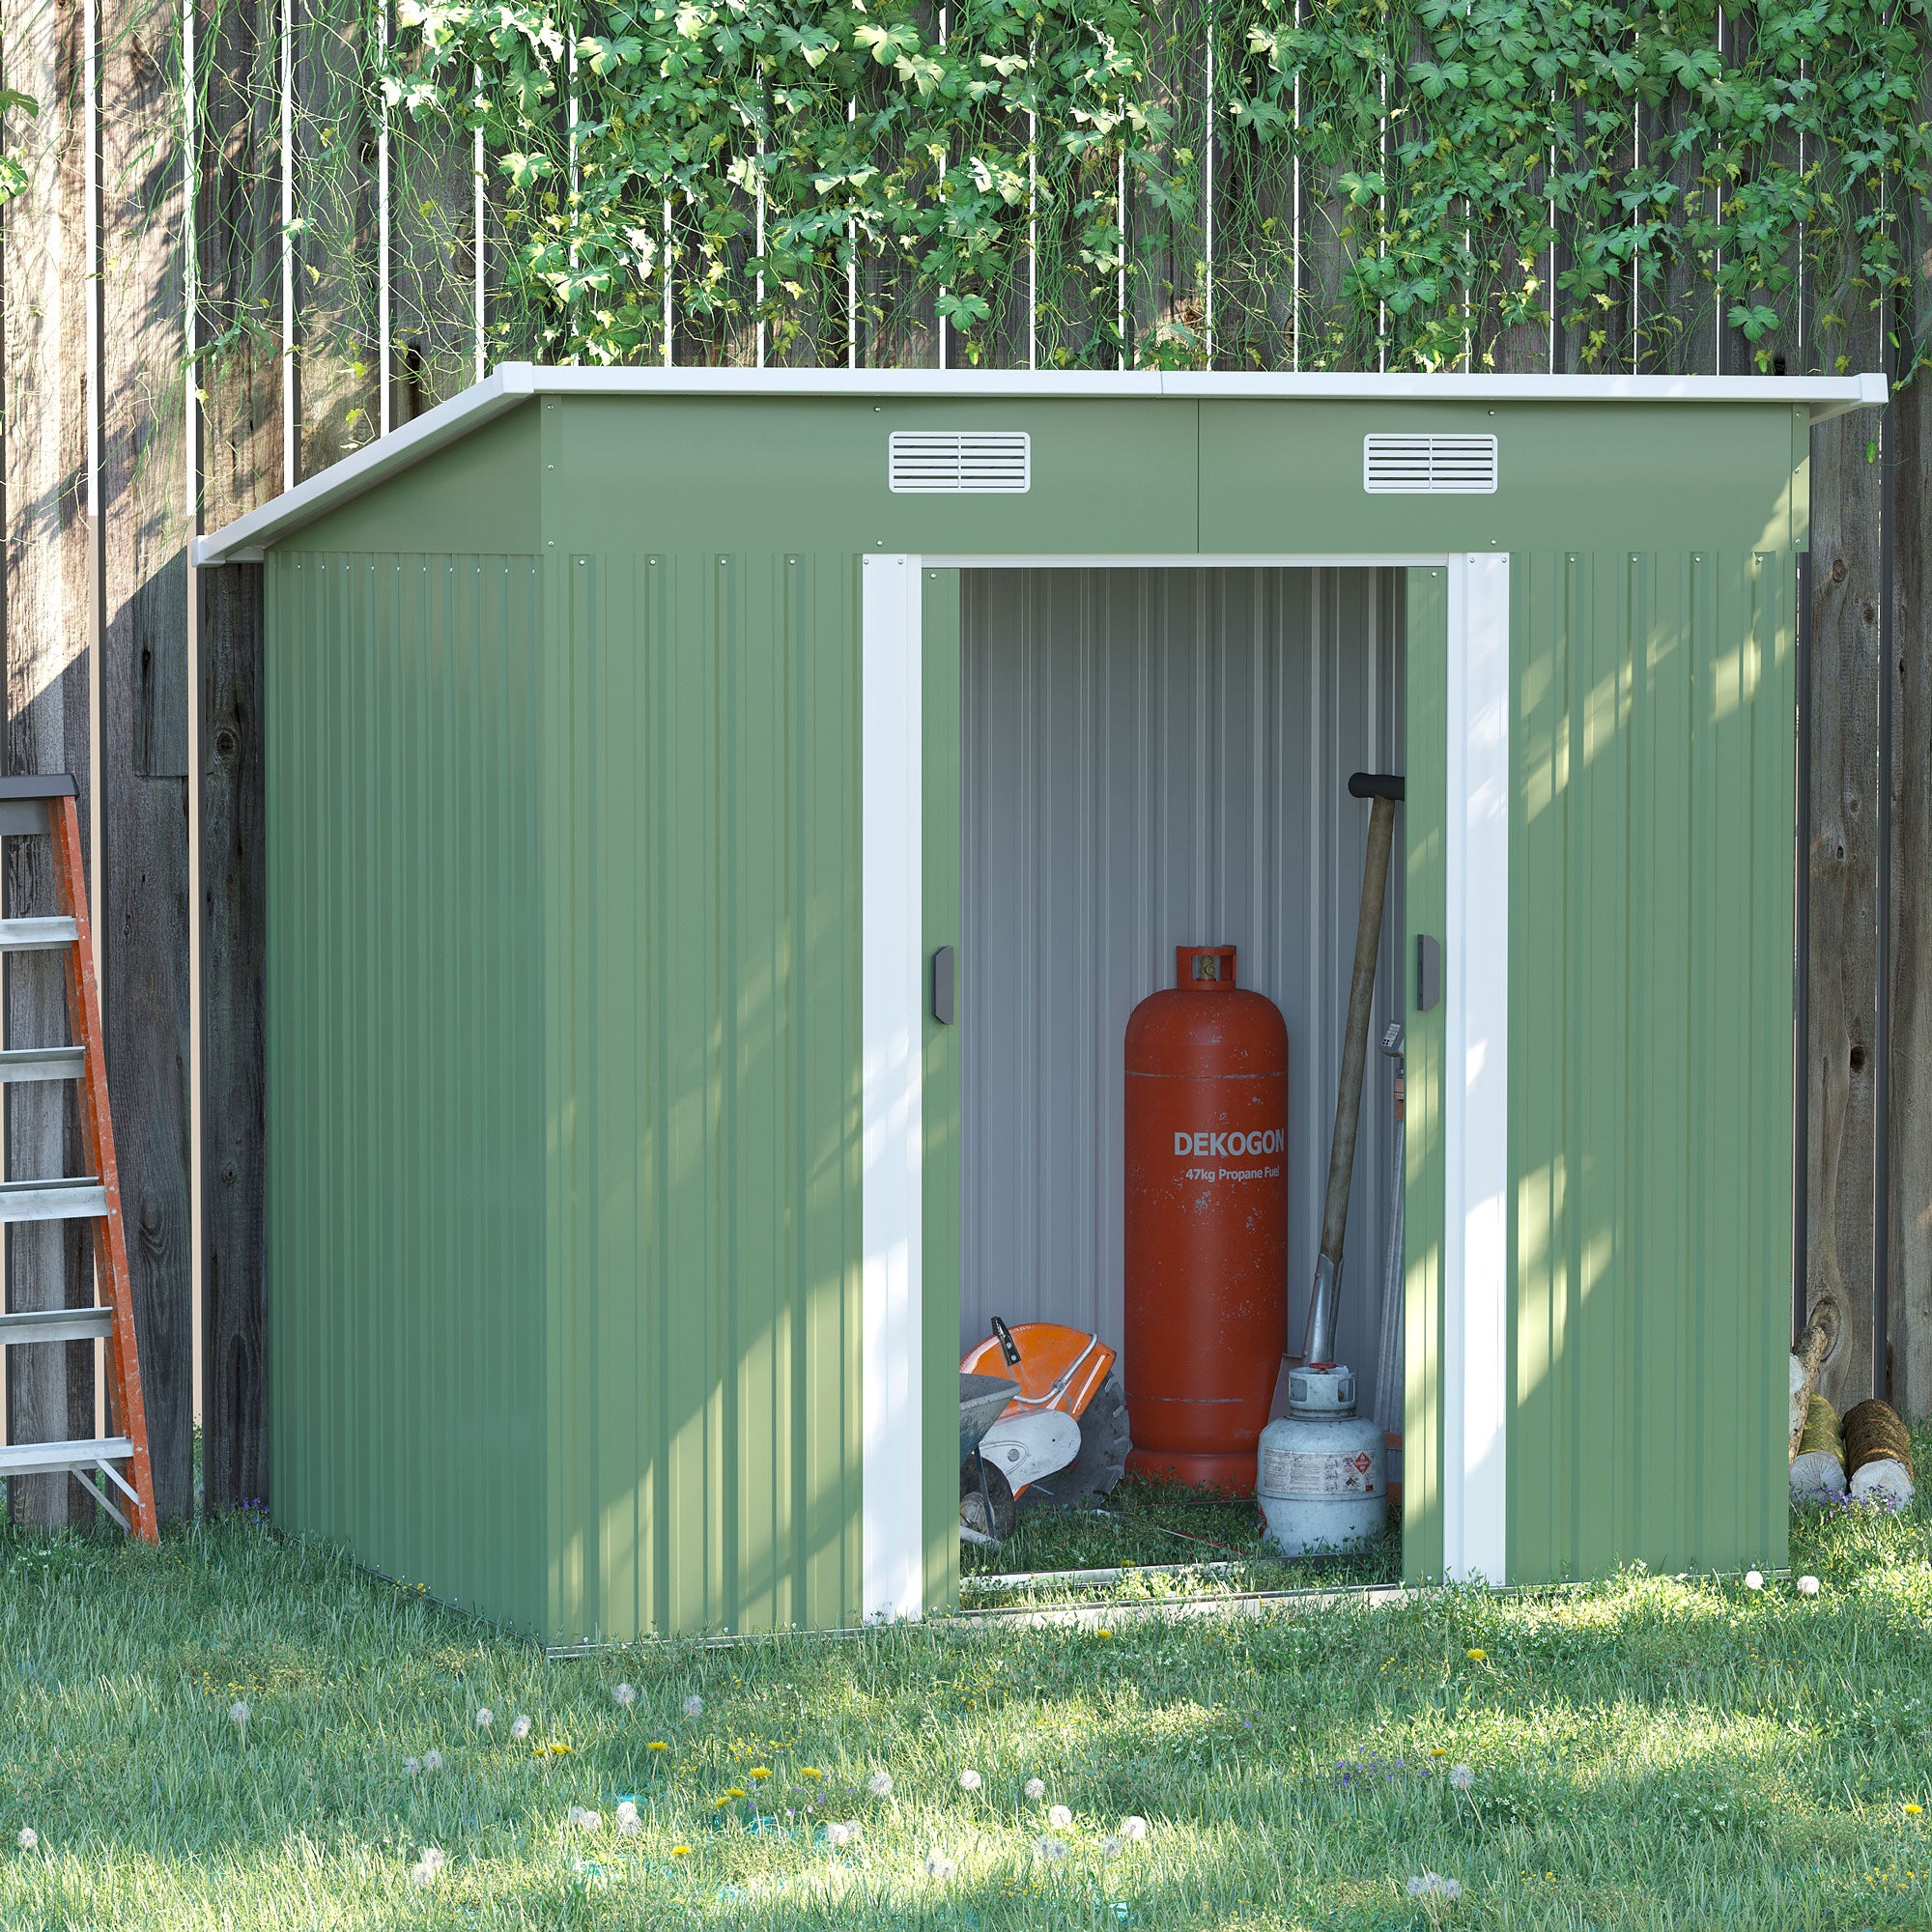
{"x":942,"y":986}
{"x":1428,"y":973}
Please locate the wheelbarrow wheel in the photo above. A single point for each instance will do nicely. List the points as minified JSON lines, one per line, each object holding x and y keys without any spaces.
{"x":986,"y":1505}
{"x":1102,"y":1460}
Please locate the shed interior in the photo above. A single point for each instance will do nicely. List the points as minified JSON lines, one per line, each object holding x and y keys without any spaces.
{"x":1153,"y":757}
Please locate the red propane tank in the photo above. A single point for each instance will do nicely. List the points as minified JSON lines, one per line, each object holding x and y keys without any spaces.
{"x":1207,"y":1232}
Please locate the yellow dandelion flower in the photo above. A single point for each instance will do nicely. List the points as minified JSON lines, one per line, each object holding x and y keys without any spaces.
{"x":680,"y":1851}
{"x":735,"y":1792}
{"x":656,"y":1745}
{"x":1912,"y":1811}
{"x":1437,"y":1750}
{"x":810,"y":1771}
{"x":759,"y":1770}
{"x":1103,"y":1633}
{"x":1479,"y":1656}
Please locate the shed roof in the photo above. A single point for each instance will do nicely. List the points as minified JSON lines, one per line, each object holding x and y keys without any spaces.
{"x":511,"y":384}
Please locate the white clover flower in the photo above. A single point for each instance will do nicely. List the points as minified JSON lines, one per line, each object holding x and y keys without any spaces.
{"x":413,"y":1766}
{"x":880,"y":1784}
{"x":29,"y":1839}
{"x":1110,"y":1847}
{"x":626,"y":1695}
{"x":1753,"y":1579}
{"x":1058,"y":1815}
{"x":836,"y":1834}
{"x":432,"y":1760}
{"x":1134,"y":1830}
{"x":485,"y":1718}
{"x":520,"y":1728}
{"x":1461,"y":1776}
{"x":969,"y":1780}
{"x":694,"y":1706}
{"x":1052,"y":1850}
{"x":1035,"y":1787}
{"x":1807,"y":1586}
{"x":939,"y":1866}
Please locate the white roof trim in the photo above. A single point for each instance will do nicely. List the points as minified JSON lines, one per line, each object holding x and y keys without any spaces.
{"x":512,"y":382}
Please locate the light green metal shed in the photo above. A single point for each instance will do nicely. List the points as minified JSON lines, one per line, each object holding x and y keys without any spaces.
{"x":634,"y":737}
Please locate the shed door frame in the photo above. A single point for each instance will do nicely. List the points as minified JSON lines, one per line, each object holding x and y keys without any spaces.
{"x":1475,"y":1002}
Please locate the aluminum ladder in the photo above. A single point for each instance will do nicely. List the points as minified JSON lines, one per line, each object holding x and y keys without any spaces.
{"x":48,"y":807}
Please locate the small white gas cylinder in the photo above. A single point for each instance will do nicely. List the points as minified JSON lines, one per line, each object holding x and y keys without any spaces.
{"x":1322,"y":1481}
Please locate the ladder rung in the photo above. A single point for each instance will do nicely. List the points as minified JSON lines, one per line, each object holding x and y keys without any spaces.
{"x":56,"y":1324}
{"x":79,"y":1200}
{"x":43,"y":1062}
{"x":48,"y":1459}
{"x":35,"y":935}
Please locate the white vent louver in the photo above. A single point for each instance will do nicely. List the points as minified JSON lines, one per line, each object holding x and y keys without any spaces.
{"x":965,"y":462}
{"x":1429,"y":466}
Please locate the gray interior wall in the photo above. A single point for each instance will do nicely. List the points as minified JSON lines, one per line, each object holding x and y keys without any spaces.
{"x":1152,"y":759}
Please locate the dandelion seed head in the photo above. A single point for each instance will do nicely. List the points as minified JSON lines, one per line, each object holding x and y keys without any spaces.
{"x":1807,"y":1586}
{"x":586,"y":1821}
{"x":693,"y":1705}
{"x":1051,"y":1850}
{"x":413,"y":1766}
{"x":1059,"y":1816}
{"x":626,"y":1695}
{"x":29,"y":1839}
{"x":880,"y":1784}
{"x":1035,"y":1787}
{"x":520,"y":1728}
{"x":238,"y":1713}
{"x":485,"y":1718}
{"x":1134,"y":1830}
{"x":939,"y":1866}
{"x":1461,"y":1776}
{"x":835,"y":1834}
{"x":432,"y":1760}
{"x":969,"y":1780}
{"x":1110,"y":1847}
{"x":1753,"y":1579}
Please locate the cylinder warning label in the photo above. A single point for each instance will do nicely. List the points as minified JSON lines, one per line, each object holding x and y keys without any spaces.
{"x":1307,"y":1473}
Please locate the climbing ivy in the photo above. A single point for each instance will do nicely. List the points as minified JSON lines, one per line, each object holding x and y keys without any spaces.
{"x":1422,"y":184}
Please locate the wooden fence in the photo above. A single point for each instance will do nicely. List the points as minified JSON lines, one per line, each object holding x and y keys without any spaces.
{"x":185,"y":333}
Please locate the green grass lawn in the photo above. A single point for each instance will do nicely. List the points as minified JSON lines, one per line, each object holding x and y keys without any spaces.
{"x":1646,"y":1752}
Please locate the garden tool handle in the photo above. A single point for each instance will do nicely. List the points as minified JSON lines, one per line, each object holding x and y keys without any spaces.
{"x":1384,"y":791}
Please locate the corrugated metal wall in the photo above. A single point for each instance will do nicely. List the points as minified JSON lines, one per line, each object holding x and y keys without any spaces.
{"x":702,"y":913}
{"x":1650,"y":1056}
{"x":405,"y":1129}
{"x":1152,"y":759}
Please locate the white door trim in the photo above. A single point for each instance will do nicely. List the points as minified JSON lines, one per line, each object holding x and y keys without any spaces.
{"x":1475,"y":993}
{"x":893,"y":1036}
{"x":1475,"y":1109}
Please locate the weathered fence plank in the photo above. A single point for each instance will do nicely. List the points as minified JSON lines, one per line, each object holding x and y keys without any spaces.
{"x":234,"y":874}
{"x":50,"y":616}
{"x":144,"y":713}
{"x":1909,"y":1306}
{"x":1843,"y":939}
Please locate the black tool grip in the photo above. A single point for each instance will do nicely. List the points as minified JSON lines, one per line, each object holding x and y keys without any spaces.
{"x":1375,"y":785}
